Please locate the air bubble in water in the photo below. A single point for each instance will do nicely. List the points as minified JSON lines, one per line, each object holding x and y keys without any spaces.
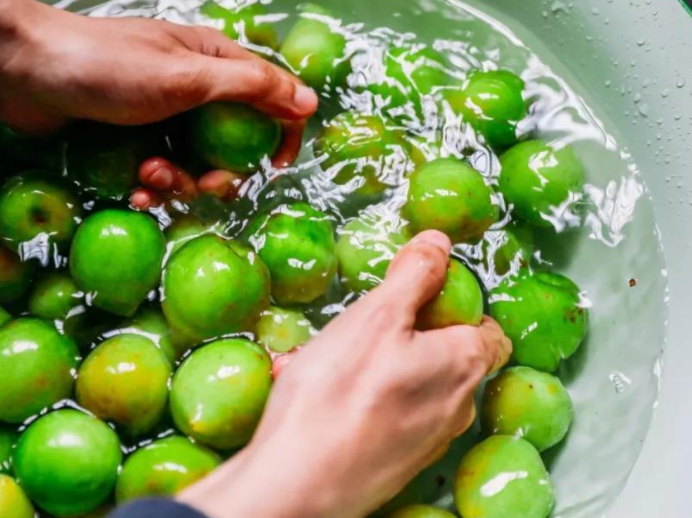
{"x":608,"y":82}
{"x":641,"y":42}
{"x":680,"y":83}
{"x":665,"y":93}
{"x":637,"y":97}
{"x":644,"y":110}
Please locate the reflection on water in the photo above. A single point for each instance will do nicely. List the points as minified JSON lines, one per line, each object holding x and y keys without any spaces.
{"x":610,"y":239}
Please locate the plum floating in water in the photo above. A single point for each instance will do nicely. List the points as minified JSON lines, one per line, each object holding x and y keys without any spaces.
{"x":492,"y":103}
{"x":541,"y":182}
{"x":213,"y":287}
{"x":529,"y":404}
{"x":116,"y":256}
{"x":282,"y":329}
{"x":544,"y":316}
{"x":503,"y":477}
{"x":37,"y":365}
{"x":164,"y":468}
{"x":296,"y":242}
{"x":67,"y":462}
{"x":232,"y":136}
{"x":133,"y":398}
{"x":219,"y":392}
{"x":315,"y":49}
{"x":450,"y":196}
{"x":13,"y":501}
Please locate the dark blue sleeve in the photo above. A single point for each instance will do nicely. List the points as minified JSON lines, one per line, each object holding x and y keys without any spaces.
{"x":155,"y":508}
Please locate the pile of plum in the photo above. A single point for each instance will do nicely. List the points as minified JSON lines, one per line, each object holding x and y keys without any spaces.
{"x":136,"y":348}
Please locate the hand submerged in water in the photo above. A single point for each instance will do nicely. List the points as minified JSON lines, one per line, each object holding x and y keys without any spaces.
{"x":363,"y":407}
{"x":61,"y":66}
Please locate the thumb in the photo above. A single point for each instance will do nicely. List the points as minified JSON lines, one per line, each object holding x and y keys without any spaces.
{"x":256,"y":82}
{"x":418,"y":272}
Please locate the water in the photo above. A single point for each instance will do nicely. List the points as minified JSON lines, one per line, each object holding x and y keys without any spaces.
{"x":614,"y":377}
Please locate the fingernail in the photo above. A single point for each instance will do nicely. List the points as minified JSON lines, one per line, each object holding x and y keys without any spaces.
{"x":140,"y":200}
{"x":433,"y":237}
{"x":305,"y":99}
{"x":162,"y":178}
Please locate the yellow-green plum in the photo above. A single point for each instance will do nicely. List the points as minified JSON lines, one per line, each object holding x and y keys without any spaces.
{"x":8,"y":438}
{"x":510,"y":247}
{"x":184,"y":229}
{"x":219,"y":392}
{"x":410,"y":74}
{"x":503,"y":477}
{"x":15,"y":276}
{"x":450,"y":196}
{"x":104,"y":160}
{"x":283,"y":329}
{"x":38,"y":365}
{"x":164,"y":468}
{"x":459,"y":302}
{"x":297,"y":244}
{"x":364,"y":250}
{"x":125,"y":381}
{"x":232,"y":136}
{"x":213,"y":287}
{"x":529,"y":404}
{"x":33,"y":206}
{"x":67,"y":462}
{"x":151,"y":323}
{"x":54,"y":296}
{"x":492,"y":103}
{"x":544,"y":316}
{"x":243,"y":21}
{"x":420,"y":511}
{"x":540,"y":181}
{"x":13,"y":501}
{"x":315,"y":49}
{"x":364,"y":152}
{"x":116,"y":256}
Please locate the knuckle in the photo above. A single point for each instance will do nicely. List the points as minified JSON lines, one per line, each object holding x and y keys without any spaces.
{"x":263,"y":79}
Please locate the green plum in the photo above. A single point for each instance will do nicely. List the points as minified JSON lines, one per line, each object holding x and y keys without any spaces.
{"x":219,"y":392}
{"x":213,"y":287}
{"x":185,"y":229}
{"x":33,"y":206}
{"x":450,"y":196}
{"x":364,"y":152}
{"x":21,"y":152}
{"x":150,"y":322}
{"x":38,"y":364}
{"x":420,"y":511}
{"x":544,"y":316}
{"x":4,"y":317}
{"x":492,"y":103}
{"x":365,"y":247}
{"x":104,"y":160}
{"x":8,"y":438}
{"x":15,"y":276}
{"x":233,"y":136}
{"x":67,"y":462}
{"x":13,"y":501}
{"x":163,"y":469}
{"x":296,"y":242}
{"x":503,"y":477}
{"x":507,"y":248}
{"x":459,"y":302}
{"x":135,"y":397}
{"x":116,"y":256}
{"x":244,"y":21}
{"x":282,"y":330}
{"x":529,"y":404}
{"x":540,"y":181}
{"x":315,"y":49}
{"x":410,"y":73}
{"x":54,"y":296}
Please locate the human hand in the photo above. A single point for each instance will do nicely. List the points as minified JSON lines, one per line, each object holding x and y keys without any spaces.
{"x":363,"y":407}
{"x":58,"y":66}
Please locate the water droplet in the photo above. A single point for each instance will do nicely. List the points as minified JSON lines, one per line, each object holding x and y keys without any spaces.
{"x":678,"y":117}
{"x":606,"y":21}
{"x":641,"y":41}
{"x":644,"y":110}
{"x":665,"y":93}
{"x":595,"y":11}
{"x":680,"y":83}
{"x":646,"y":82}
{"x":659,"y":121}
{"x":545,"y":14}
{"x":608,"y":82}
{"x":556,"y":7}
{"x":633,"y":62}
{"x":637,"y":97}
